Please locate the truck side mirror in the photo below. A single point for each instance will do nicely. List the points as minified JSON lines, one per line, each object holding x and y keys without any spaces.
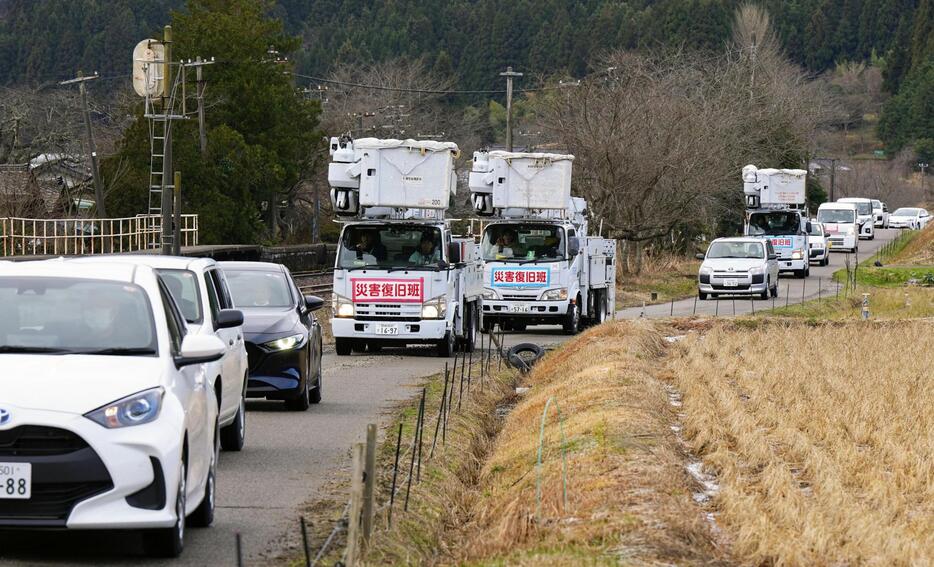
{"x":574,"y":247}
{"x":454,"y":253}
{"x":807,"y":226}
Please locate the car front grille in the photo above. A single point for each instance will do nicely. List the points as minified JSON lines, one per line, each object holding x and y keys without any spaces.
{"x":65,"y":471}
{"x":35,"y":441}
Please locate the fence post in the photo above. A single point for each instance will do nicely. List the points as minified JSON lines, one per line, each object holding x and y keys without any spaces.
{"x":356,"y":506}
{"x":395,"y":474}
{"x":369,"y":494}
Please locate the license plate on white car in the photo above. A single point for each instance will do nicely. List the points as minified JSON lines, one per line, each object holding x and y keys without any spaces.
{"x":387,"y":329}
{"x":519,"y":309}
{"x":15,"y":481}
{"x":730,"y":283}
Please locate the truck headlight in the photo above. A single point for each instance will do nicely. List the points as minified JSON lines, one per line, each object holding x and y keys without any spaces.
{"x":559,"y":294}
{"x":796,"y":255}
{"x":489,"y":293}
{"x":136,"y":409}
{"x":285,"y":343}
{"x":435,"y":308}
{"x":342,"y":306}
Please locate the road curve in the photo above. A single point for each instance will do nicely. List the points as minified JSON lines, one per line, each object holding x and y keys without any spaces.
{"x":289,"y":457}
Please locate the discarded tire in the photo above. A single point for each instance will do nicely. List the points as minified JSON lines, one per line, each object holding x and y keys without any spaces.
{"x":524,"y":356}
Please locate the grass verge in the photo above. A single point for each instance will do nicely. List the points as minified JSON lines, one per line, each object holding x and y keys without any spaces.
{"x":884,"y":303}
{"x":821,"y":438}
{"x":670,"y":277}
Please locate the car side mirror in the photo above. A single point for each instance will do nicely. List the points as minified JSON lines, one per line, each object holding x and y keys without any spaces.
{"x":454,"y":252}
{"x":699,"y":256}
{"x":313,"y":302}
{"x":773,"y":256}
{"x":827,"y":234}
{"x":200,"y":349}
{"x":229,"y":318}
{"x":574,"y":247}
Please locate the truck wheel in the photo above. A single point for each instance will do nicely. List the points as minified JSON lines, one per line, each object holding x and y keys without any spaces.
{"x":572,"y":320}
{"x":343,"y":346}
{"x":799,"y":274}
{"x":469,"y":340}
{"x":701,"y":295}
{"x":520,"y":327}
{"x":446,"y":345}
{"x":373,"y":346}
{"x":357,"y":346}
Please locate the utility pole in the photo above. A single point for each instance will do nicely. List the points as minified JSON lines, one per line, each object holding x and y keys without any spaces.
{"x":202,"y":132}
{"x":95,"y":171}
{"x":509,"y":74}
{"x":833,"y":173}
{"x":924,"y":166}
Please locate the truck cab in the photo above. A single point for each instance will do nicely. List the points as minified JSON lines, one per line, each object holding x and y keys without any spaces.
{"x":541,"y":267}
{"x":865,"y":219}
{"x":839,"y":221}
{"x":400,"y":277}
{"x":775,"y":209}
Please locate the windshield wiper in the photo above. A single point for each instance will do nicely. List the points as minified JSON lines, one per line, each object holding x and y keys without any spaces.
{"x":12,"y":349}
{"x":119,"y":351}
{"x":361,"y":268}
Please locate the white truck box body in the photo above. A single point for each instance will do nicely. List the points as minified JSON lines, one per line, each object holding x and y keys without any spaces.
{"x":775,"y":187}
{"x":529,"y":181}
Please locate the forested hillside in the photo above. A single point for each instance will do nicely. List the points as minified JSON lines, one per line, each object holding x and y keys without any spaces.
{"x":42,"y":41}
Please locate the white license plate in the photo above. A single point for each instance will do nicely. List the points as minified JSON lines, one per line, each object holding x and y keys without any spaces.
{"x":387,"y":329}
{"x":15,"y":481}
{"x":519,"y":309}
{"x":729,"y":283}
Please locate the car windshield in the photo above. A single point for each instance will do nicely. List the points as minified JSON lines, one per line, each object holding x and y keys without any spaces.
{"x":412,"y":246}
{"x":736,"y":250}
{"x":252,"y":289}
{"x":836,"y":215}
{"x":774,"y":223}
{"x":523,"y":242}
{"x":905,"y":212}
{"x":184,"y":288}
{"x":60,"y":315}
{"x":876,"y":204}
{"x":816,"y":229}
{"x":863,"y":208}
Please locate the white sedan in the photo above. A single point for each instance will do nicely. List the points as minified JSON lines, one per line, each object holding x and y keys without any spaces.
{"x":106,"y":420}
{"x":909,"y":217}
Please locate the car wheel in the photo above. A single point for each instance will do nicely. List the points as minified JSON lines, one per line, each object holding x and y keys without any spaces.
{"x":342,"y":346}
{"x":774,"y":290}
{"x":572,"y":320}
{"x":302,"y":400}
{"x":446,"y":345}
{"x":315,"y":396}
{"x":765,"y":292}
{"x":169,"y":542}
{"x":203,"y":516}
{"x":234,"y":435}
{"x":701,"y":295}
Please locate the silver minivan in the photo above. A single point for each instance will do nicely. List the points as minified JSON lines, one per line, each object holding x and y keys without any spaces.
{"x":738,"y":266}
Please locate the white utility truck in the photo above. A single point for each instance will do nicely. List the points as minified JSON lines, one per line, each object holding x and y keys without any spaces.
{"x":542,"y":267}
{"x":400,"y":276}
{"x":776,"y":209}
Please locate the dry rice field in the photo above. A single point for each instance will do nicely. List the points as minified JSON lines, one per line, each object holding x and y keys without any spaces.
{"x":821,"y":439}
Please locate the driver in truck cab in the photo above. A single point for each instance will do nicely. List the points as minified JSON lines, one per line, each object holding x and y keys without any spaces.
{"x":368,"y":243}
{"x":426,"y":253}
{"x":507,"y":246}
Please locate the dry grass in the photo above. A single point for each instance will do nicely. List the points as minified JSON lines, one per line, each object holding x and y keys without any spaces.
{"x":920,"y":251}
{"x":885,"y":303}
{"x":670,"y":276}
{"x":822,"y":439}
{"x":629,"y":495}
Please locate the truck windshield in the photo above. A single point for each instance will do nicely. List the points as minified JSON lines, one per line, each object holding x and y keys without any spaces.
{"x":523,"y":242}
{"x":863,"y":207}
{"x":390,"y":246}
{"x":736,"y":250}
{"x":836,"y":216}
{"x":774,"y":223}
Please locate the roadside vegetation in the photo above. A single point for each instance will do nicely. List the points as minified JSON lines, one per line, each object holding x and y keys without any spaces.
{"x":823,"y":448}
{"x":669,"y":276}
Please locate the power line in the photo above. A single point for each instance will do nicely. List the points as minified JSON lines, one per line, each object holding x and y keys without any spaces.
{"x":411,"y":90}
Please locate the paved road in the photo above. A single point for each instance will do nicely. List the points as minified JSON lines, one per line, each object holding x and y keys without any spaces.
{"x":290,"y":457}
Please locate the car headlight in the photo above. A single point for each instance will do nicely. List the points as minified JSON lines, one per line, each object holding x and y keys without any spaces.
{"x":137,"y":409}
{"x":559,"y":294}
{"x":489,"y":293}
{"x":706,"y":270}
{"x":341,"y":306}
{"x":756,"y":270}
{"x":796,"y":254}
{"x":435,"y":308}
{"x":285,"y":343}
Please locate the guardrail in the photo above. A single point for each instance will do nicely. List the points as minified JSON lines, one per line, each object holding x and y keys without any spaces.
{"x":34,"y":237}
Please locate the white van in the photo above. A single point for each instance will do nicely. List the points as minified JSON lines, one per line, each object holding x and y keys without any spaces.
{"x":864,"y":216}
{"x":840,"y":221}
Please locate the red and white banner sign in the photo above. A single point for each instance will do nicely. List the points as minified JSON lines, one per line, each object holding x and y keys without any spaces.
{"x":387,"y":290}
{"x":832,"y":228}
{"x":519,"y":277}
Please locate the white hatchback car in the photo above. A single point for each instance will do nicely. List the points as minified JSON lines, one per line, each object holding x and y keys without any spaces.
{"x":106,"y":417}
{"x":909,"y":217}
{"x":200,"y":290}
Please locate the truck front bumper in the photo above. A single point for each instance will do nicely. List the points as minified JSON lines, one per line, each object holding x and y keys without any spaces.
{"x":525,"y":310}
{"x":424,"y":330}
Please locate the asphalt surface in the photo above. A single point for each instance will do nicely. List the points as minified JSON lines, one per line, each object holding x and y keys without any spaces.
{"x":290,"y":457}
